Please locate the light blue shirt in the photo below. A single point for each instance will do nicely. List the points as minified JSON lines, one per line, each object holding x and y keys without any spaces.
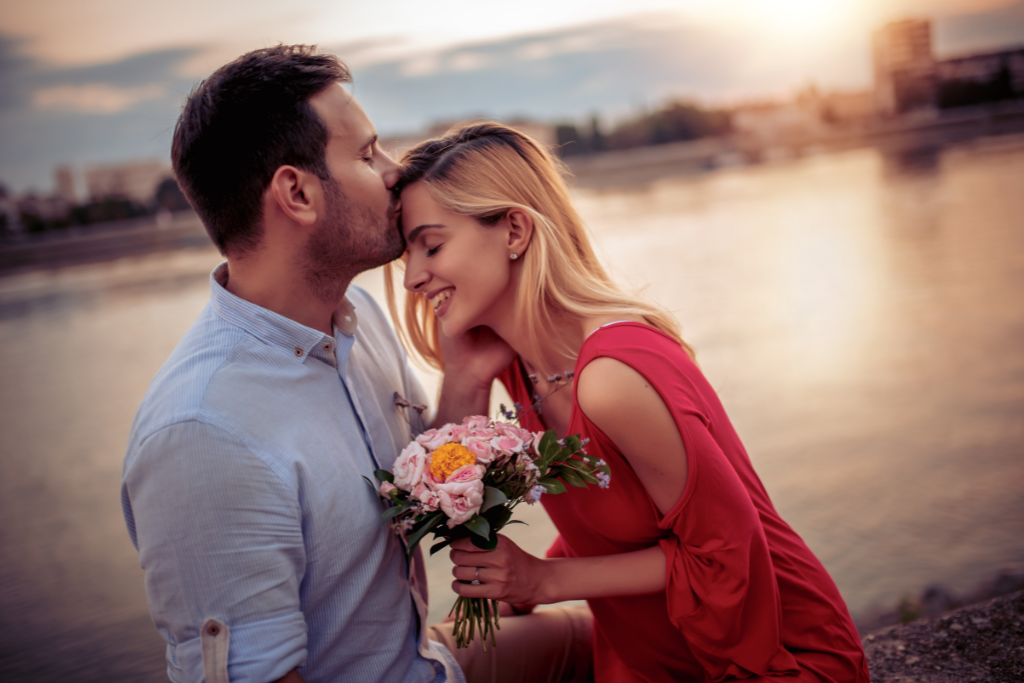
{"x":243,"y":491}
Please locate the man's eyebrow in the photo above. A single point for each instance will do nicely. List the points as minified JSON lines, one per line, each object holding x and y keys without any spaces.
{"x":370,"y":142}
{"x":420,"y":228}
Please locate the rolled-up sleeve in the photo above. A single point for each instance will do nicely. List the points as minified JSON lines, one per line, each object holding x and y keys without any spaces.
{"x":219,"y":535}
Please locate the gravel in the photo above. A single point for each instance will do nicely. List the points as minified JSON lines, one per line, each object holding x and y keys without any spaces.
{"x":981,"y":643}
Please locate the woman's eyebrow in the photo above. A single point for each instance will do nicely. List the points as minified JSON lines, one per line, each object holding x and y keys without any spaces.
{"x":414,"y":233}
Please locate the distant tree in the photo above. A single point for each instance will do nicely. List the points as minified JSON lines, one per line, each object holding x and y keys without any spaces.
{"x":570,"y":142}
{"x":107,"y":210}
{"x":598,"y":142}
{"x":677,"y":122}
{"x":966,"y":93}
{"x":169,"y":196}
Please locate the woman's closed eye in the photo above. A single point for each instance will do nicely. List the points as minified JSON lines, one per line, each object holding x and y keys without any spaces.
{"x":433,"y":250}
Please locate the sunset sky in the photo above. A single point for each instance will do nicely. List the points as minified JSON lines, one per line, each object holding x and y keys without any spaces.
{"x":102,"y":81}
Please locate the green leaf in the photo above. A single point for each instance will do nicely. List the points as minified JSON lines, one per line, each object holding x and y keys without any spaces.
{"x":570,"y":476}
{"x":376,"y":489}
{"x":548,"y":445}
{"x":393,"y":511}
{"x":384,"y":475}
{"x":552,"y":486}
{"x":515,"y":521}
{"x":573,"y":442}
{"x":429,"y":522}
{"x":492,"y":497}
{"x":479,"y":526}
{"x":489,"y":543}
{"x":440,"y":545}
{"x":581,"y":469}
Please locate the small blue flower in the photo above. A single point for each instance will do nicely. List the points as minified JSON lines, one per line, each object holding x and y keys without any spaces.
{"x":603,"y":479}
{"x":536,"y":492}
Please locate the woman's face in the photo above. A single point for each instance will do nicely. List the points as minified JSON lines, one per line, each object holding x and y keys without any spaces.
{"x":461,"y":266}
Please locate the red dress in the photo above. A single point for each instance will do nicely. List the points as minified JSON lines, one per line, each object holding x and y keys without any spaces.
{"x":744,"y":596}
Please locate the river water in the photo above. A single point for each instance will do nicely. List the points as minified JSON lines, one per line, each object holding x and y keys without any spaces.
{"x":861,"y":317}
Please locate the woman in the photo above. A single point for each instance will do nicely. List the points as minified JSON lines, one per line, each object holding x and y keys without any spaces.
{"x":689,"y":571}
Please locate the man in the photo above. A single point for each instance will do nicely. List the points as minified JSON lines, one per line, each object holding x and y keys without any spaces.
{"x":243,"y":489}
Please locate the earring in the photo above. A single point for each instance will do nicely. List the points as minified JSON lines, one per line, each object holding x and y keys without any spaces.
{"x":513,"y":256}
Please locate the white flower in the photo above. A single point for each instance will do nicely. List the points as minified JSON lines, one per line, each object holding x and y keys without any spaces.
{"x":409,"y":466}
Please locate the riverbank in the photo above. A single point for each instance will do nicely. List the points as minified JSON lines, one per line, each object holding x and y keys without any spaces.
{"x":101,"y":243}
{"x":903,"y":141}
{"x":982,"y":643}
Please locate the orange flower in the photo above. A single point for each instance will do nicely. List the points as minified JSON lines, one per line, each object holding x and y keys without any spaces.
{"x":449,"y":458}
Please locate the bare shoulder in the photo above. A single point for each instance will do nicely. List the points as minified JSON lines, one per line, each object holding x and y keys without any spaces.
{"x":629,"y":411}
{"x":606,"y":385}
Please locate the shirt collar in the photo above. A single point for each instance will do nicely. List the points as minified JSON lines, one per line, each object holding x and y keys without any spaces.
{"x":276,"y":329}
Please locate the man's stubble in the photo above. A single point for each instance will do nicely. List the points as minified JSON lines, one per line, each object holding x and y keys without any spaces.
{"x":351,"y":240}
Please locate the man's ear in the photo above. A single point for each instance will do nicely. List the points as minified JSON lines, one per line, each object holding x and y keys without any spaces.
{"x":520,"y":231}
{"x":297,"y":194}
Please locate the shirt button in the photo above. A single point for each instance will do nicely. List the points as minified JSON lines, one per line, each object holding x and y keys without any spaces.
{"x":327,"y":347}
{"x":348,"y":318}
{"x":298,"y":352}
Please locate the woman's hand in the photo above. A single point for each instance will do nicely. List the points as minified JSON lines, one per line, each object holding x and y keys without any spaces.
{"x":471,"y":362}
{"x":507,"y":573}
{"x":478,"y":354}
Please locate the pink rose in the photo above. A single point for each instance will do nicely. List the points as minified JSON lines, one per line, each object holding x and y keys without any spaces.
{"x":507,"y":444}
{"x":466,"y":473}
{"x":427,"y":496}
{"x":386,"y":487}
{"x":481,"y":448}
{"x":435,"y":438}
{"x":409,"y":466}
{"x":460,"y":500}
{"x":476,"y":422}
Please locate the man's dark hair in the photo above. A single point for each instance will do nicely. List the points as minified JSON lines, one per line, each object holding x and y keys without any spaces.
{"x":249,"y":118}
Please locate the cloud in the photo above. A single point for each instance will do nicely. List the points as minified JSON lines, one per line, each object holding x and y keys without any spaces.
{"x":94,"y":98}
{"x":126,"y":108}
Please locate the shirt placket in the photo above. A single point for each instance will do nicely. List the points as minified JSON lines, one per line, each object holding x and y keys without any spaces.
{"x":344,"y":347}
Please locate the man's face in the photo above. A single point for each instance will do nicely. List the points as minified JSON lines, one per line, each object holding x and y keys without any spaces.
{"x":358,"y":231}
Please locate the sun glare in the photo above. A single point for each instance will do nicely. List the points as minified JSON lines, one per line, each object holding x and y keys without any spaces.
{"x":788,"y":20}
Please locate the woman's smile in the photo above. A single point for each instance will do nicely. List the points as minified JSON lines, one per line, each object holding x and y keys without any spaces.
{"x":440,"y":301}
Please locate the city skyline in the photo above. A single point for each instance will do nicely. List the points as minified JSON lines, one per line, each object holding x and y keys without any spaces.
{"x":89,"y":106}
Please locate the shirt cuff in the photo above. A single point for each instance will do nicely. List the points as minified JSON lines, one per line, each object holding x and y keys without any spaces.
{"x":258,"y":651}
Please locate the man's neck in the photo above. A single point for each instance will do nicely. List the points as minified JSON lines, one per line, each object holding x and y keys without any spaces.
{"x":284,"y":291}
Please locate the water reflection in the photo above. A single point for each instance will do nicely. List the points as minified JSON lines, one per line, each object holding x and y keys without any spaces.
{"x":859,"y":315}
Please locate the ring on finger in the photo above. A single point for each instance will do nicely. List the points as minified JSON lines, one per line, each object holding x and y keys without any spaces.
{"x":476,"y":578}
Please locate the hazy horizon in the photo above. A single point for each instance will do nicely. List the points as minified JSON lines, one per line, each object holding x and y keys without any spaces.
{"x":104,"y":86}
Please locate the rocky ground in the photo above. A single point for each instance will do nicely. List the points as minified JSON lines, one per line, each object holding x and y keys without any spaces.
{"x":982,"y":643}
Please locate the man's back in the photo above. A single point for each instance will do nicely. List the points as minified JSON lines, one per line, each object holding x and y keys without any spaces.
{"x":243,"y":492}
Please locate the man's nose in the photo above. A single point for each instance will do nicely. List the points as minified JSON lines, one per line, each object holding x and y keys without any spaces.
{"x":391,"y":173}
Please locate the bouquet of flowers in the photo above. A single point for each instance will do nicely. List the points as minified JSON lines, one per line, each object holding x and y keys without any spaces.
{"x":464,"y":480}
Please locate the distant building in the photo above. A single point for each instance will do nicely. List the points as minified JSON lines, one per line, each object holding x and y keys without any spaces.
{"x":64,"y":180}
{"x":778,"y":123}
{"x":905,"y":71}
{"x":136,"y":180}
{"x":909,"y":78}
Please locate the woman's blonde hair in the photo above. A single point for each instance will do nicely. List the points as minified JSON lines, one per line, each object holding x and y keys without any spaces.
{"x":483,"y":171}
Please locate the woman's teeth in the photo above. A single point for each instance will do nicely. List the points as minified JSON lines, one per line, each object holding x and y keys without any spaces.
{"x":441,"y":298}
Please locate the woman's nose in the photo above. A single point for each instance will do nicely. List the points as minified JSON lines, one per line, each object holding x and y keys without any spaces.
{"x":415,"y":279}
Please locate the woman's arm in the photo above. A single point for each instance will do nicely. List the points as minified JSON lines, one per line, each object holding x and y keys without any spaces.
{"x":623,"y":405}
{"x":511,"y":574}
